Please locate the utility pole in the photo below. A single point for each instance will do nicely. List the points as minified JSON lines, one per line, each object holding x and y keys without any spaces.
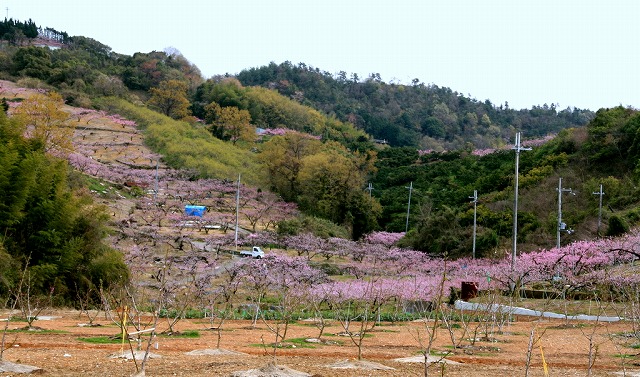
{"x":237,"y":210}
{"x":475,"y":211}
{"x":370,"y":188}
{"x":156,"y":190}
{"x":601,"y":194}
{"x":561,"y":226}
{"x":518,"y":148}
{"x":406,"y":227}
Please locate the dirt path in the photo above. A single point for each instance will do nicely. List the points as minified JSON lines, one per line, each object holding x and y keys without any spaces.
{"x":60,"y":352}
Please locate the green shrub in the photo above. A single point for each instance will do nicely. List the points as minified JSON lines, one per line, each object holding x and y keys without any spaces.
{"x":617,"y":226}
{"x":102,"y":339}
{"x":309,"y":224}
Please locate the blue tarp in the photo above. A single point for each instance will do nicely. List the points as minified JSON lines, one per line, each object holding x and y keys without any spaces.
{"x":191,"y":210}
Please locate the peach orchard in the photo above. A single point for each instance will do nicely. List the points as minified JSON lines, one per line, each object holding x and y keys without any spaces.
{"x":185,"y":264}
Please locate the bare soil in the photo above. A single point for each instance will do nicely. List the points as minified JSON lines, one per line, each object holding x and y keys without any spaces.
{"x":57,"y":349}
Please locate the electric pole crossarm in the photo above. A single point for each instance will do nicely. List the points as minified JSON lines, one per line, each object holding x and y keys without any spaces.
{"x":370,"y":188}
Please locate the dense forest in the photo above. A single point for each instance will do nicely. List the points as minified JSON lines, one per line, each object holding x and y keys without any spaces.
{"x":605,"y":152}
{"x":16,"y":32}
{"x":417,"y":115}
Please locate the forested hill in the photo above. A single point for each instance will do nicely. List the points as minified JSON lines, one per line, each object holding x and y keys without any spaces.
{"x":419,"y":115}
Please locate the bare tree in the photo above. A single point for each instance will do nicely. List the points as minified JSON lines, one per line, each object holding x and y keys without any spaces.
{"x":432,"y":315}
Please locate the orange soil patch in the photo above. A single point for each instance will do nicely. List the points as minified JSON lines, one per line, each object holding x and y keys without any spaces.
{"x":566,"y":350}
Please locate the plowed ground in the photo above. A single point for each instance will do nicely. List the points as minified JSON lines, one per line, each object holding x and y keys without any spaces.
{"x":59,"y":351}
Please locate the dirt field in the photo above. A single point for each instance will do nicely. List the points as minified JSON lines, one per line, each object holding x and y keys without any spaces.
{"x":566,"y":350}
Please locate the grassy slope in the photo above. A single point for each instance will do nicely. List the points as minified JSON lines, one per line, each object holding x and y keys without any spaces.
{"x":191,"y":147}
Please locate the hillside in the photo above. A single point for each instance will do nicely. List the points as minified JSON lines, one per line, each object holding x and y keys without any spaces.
{"x":325,"y":139}
{"x":418,"y":115}
{"x":145,"y":198}
{"x":187,"y":292}
{"x":129,"y":185}
{"x":442,"y":211}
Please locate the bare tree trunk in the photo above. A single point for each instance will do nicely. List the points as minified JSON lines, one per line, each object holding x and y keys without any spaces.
{"x":529,"y":354}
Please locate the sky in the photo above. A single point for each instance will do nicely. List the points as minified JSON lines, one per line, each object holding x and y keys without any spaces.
{"x":573,"y":53}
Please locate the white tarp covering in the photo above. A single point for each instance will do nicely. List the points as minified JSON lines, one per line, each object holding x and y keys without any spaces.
{"x":514,"y":310}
